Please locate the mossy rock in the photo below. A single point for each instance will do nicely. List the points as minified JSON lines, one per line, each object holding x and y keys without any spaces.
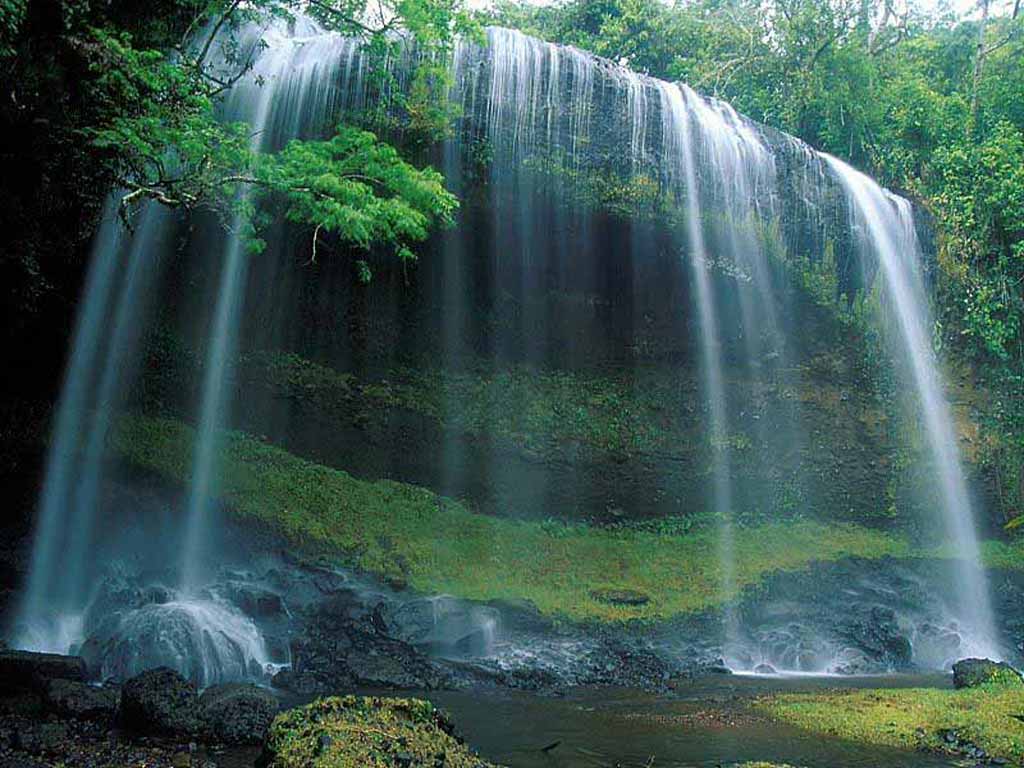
{"x":972,"y":673}
{"x":627,"y":597}
{"x":366,"y":732}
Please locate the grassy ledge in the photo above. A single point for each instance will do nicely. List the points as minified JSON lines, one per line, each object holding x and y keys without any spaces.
{"x":911,"y":718}
{"x":438,"y":545}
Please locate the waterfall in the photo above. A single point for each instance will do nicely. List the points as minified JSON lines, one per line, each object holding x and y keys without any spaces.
{"x":884,"y":224}
{"x":102,"y":361}
{"x":62,"y":465}
{"x":292,"y":91}
{"x":676,"y":132}
{"x":249,"y":102}
{"x":562,"y":134}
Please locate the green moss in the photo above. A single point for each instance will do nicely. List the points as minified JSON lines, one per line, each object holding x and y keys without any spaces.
{"x":363,"y":732}
{"x":1004,"y":677}
{"x":911,"y":718}
{"x":438,"y":545}
{"x":1004,"y":554}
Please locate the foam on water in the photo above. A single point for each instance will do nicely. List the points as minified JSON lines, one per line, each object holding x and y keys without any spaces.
{"x":207,"y":641}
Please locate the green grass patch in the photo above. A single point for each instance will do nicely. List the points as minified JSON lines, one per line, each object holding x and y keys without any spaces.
{"x":1004,"y":554}
{"x":439,"y":545}
{"x":914,"y":718}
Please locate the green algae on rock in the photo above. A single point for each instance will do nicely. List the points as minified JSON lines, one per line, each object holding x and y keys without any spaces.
{"x":366,"y":732}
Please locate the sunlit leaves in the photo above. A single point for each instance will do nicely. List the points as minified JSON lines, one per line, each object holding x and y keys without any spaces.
{"x":356,"y":187}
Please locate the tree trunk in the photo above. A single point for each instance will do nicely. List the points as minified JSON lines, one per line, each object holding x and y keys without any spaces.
{"x":979,"y":63}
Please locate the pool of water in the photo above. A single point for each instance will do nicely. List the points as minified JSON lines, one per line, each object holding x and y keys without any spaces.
{"x":706,"y":723}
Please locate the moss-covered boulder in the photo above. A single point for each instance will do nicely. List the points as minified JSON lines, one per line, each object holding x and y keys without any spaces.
{"x":367,"y":732}
{"x":971,"y":673}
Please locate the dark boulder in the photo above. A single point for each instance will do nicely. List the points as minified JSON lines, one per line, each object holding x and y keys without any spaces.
{"x":24,"y":669}
{"x":72,"y":698}
{"x":443,"y":625}
{"x":254,"y":600}
{"x":237,"y":713}
{"x":875,"y":630}
{"x":970,"y":673}
{"x":160,"y":701}
{"x":392,"y":664}
{"x":303,"y":684}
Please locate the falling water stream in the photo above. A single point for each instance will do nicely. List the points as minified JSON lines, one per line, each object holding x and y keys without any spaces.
{"x":676,"y":133}
{"x":885,"y":224}
{"x":533,"y":107}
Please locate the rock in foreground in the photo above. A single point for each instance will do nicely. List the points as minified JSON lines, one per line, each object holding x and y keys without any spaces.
{"x":71,"y":698}
{"x":237,"y":713}
{"x":368,"y":732}
{"x":160,"y":701}
{"x":25,"y":669}
{"x":970,"y":673}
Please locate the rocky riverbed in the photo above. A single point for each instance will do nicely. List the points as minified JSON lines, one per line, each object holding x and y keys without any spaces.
{"x":50,"y":716}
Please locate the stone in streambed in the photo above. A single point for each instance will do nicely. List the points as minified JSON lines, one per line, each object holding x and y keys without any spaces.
{"x":626,"y":597}
{"x":25,"y":669}
{"x":160,"y":701}
{"x":41,"y":738}
{"x":970,"y":673}
{"x":81,"y":701}
{"x":237,"y":713}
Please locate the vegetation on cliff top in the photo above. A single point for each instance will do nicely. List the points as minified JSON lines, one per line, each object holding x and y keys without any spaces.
{"x":437,"y":545}
{"x":926,"y":718}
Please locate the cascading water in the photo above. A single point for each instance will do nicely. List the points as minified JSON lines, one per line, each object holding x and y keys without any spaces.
{"x":884,"y":224}
{"x":291,"y":87}
{"x":102,"y":358}
{"x":251,"y":102}
{"x":548,"y":121}
{"x":676,"y":133}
